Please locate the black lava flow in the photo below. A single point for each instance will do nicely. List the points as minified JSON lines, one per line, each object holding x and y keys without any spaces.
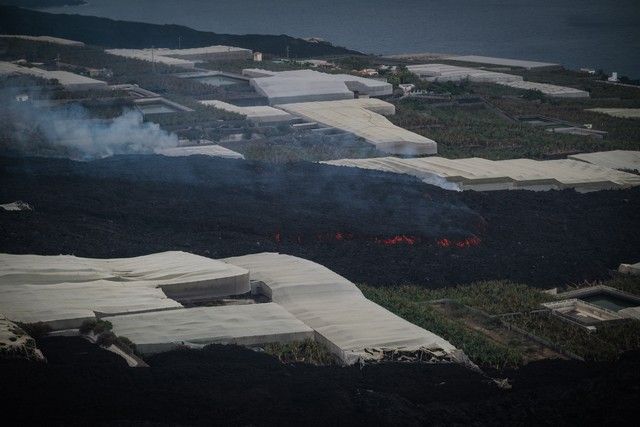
{"x":84,"y":385}
{"x":372,"y":227}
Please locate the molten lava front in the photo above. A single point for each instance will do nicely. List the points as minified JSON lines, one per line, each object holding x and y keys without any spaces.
{"x":396,"y":240}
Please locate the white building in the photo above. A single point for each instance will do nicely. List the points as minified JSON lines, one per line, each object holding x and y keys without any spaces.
{"x":306,"y":85}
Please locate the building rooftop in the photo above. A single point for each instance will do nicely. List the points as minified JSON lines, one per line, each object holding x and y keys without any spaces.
{"x":352,"y":326}
{"x":64,"y":290}
{"x":518,"y":63}
{"x":248,"y":324}
{"x":364,"y":117}
{"x":308,"y":85}
{"x":259,"y":113}
{"x":616,"y":159}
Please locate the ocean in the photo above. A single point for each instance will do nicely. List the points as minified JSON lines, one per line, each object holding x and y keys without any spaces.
{"x":599,"y":34}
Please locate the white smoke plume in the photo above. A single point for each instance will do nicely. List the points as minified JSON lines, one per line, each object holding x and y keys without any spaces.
{"x":69,"y":131}
{"x":126,"y":134}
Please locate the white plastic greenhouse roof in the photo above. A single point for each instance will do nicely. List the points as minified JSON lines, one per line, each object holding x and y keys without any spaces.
{"x":617,"y":159}
{"x":485,"y":175}
{"x":67,"y":288}
{"x":307,"y":85}
{"x":308,"y":301}
{"x":67,"y":305}
{"x":363,"y":117}
{"x":45,"y":39}
{"x":203,"y":150}
{"x":529,"y":65}
{"x":348,"y":323}
{"x":201,"y":50}
{"x":65,"y":78}
{"x":248,"y":324}
{"x":150,"y":55}
{"x":625,"y":113}
{"x":445,"y":72}
{"x":259,"y":113}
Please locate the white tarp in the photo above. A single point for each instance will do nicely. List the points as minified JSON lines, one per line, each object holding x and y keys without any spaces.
{"x":347,"y":322}
{"x":249,"y":324}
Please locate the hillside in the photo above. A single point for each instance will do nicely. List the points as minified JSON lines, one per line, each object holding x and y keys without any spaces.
{"x":124,"y":34}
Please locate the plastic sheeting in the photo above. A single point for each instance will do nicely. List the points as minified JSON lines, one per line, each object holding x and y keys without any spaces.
{"x":258,"y":113}
{"x":306,"y":86}
{"x":363,"y":117}
{"x":250,"y":324}
{"x":616,"y":159}
{"x":453,"y":73}
{"x":69,"y":80}
{"x":349,"y":324}
{"x":67,"y":305}
{"x":624,"y":113}
{"x":518,"y":63}
{"x":202,"y":150}
{"x":486,"y":175}
{"x":67,"y":290}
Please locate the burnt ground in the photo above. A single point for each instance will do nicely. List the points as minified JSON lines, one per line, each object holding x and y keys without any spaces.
{"x":231,"y":385}
{"x":369,"y":226}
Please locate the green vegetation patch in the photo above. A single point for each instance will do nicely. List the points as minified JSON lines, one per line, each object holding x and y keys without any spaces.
{"x":307,"y":351}
{"x":411,"y":303}
{"x":605,"y":343}
{"x":485,"y":132}
{"x":415,"y":304}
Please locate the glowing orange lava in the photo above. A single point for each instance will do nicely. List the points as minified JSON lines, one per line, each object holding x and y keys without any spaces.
{"x":398,"y":240}
{"x":469,"y":242}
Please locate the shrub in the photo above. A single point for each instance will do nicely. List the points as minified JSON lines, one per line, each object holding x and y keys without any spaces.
{"x":106,"y":339}
{"x":102,"y":326}
{"x":307,"y":351}
{"x":87,"y":326}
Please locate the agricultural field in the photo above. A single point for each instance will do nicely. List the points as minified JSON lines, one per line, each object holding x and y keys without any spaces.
{"x":479,"y":131}
{"x":477,"y":316}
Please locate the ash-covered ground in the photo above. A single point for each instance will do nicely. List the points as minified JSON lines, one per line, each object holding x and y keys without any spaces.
{"x":371,"y":227}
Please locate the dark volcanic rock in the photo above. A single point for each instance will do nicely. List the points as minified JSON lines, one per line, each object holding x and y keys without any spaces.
{"x":340,"y":217}
{"x":234,"y":386}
